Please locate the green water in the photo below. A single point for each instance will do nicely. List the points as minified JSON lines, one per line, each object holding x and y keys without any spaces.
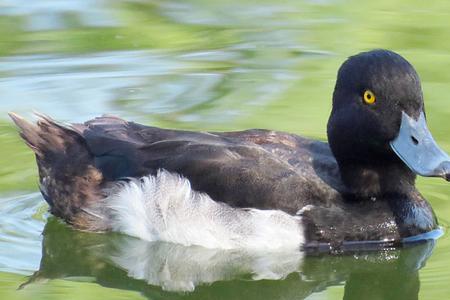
{"x":204,"y":65}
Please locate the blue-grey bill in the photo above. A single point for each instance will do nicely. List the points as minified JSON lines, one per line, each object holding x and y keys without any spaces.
{"x":418,"y":150}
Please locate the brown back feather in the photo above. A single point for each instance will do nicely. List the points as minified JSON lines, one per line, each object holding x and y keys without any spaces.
{"x":69,"y":181}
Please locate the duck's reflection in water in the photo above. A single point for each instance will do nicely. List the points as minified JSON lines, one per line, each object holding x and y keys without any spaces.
{"x":178,"y":268}
{"x":162,"y":270}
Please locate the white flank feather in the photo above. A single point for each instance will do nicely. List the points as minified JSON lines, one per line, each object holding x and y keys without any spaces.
{"x":165,"y":208}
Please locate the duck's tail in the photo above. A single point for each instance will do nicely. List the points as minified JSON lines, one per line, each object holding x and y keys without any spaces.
{"x":69,"y":181}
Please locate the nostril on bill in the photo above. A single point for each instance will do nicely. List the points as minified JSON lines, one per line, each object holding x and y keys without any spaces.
{"x":414,"y":140}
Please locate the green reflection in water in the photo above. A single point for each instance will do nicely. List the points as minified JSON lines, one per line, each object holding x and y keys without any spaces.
{"x":171,"y":270}
{"x":206,"y":65}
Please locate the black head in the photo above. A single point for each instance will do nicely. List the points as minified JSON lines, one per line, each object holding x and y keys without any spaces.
{"x":376,"y":94}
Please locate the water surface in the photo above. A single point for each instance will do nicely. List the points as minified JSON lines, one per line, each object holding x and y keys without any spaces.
{"x":203,"y":65}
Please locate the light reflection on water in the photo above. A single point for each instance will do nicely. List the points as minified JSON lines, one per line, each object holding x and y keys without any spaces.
{"x":52,"y":15}
{"x":136,"y":83}
{"x":206,"y":65}
{"x":22,"y":221}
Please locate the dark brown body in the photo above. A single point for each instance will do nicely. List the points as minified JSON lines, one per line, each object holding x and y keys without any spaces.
{"x":254,"y":168}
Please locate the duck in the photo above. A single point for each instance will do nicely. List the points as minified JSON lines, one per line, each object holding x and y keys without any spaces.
{"x":255,"y":189}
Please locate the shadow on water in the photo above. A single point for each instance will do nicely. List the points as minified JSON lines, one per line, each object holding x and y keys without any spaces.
{"x":169,"y":271}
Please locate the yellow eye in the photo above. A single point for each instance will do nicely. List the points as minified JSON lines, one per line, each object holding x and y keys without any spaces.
{"x":369,"y":97}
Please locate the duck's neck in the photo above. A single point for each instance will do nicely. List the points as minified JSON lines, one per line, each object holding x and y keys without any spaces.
{"x":377,"y":178}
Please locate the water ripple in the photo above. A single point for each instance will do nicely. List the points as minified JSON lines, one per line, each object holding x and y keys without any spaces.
{"x":23,"y":219}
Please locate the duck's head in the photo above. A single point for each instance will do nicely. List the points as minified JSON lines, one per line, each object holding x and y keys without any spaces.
{"x":378,"y":120}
